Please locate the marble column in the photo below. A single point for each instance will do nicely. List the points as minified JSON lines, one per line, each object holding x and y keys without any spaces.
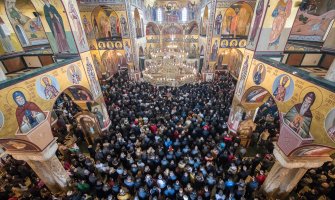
{"x":47,"y":167}
{"x":287,"y":172}
{"x":331,"y":72}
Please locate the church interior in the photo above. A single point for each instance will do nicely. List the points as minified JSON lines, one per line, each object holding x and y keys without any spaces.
{"x":167,"y":99}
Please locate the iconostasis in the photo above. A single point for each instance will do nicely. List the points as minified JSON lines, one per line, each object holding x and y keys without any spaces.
{"x":153,"y":37}
{"x":108,"y":34}
{"x":26,"y":104}
{"x":231,"y":29}
{"x":307,"y":111}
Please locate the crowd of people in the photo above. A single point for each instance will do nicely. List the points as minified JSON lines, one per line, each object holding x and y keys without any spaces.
{"x":163,"y":143}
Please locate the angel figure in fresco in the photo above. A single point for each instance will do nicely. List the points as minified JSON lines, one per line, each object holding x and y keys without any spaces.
{"x":77,"y":25}
{"x":215,"y":48}
{"x":56,"y":25}
{"x":75,"y":77}
{"x":280,"y":15}
{"x":5,"y":40}
{"x":88,"y":27}
{"x":28,"y":114}
{"x":50,"y":91}
{"x":280,"y":92}
{"x":124,"y":26}
{"x":257,"y":22}
{"x":299,"y":117}
{"x":218,"y":22}
{"x":234,"y":23}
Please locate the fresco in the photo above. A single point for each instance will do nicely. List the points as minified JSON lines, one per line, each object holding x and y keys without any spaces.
{"x":235,"y":117}
{"x":204,"y":22}
{"x":243,"y":77}
{"x":283,"y":88}
{"x":19,"y":145}
{"x":97,"y":64}
{"x":215,"y":48}
{"x":311,"y":27}
{"x":256,"y":23}
{"x":280,"y":14}
{"x":307,"y":112}
{"x":111,"y":45}
{"x":257,"y":95}
{"x":109,"y":22}
{"x":88,"y":28}
{"x":236,"y":20}
{"x":330,"y":124}
{"x":77,"y":27}
{"x":277,"y":25}
{"x":29,"y":106}
{"x":93,"y":81}
{"x":259,"y":74}
{"x":56,"y":25}
{"x":138,"y":23}
{"x":233,"y":43}
{"x":80,"y":94}
{"x":299,"y":117}
{"x":192,"y":29}
{"x":28,"y":114}
{"x":152,"y":29}
{"x":74,"y":74}
{"x":9,"y":41}
{"x":47,"y":87}
{"x":27,"y":26}
{"x":113,"y":61}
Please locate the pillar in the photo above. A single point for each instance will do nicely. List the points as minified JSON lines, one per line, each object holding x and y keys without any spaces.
{"x":47,"y":167}
{"x":208,"y":74}
{"x":287,"y":172}
{"x":330,"y":76}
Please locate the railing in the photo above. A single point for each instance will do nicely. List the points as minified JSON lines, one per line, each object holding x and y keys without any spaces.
{"x":27,"y":75}
{"x":307,"y":76}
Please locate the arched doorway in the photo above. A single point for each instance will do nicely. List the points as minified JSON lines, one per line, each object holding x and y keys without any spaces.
{"x":76,"y":118}
{"x":229,"y":59}
{"x":260,"y":107}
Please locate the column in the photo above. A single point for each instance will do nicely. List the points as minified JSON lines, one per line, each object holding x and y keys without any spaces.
{"x":209,"y":75}
{"x":287,"y":172}
{"x":330,"y":76}
{"x":47,"y":167}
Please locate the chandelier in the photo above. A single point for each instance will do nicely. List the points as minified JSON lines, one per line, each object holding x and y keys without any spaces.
{"x":169,"y":68}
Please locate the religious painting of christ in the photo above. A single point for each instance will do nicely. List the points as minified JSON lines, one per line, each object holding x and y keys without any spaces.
{"x":280,"y":15}
{"x":257,"y":21}
{"x":28,"y":114}
{"x":299,"y":117}
{"x":73,"y":14}
{"x":56,"y":25}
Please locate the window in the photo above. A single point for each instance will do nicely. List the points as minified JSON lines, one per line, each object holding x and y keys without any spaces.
{"x":159,"y":15}
{"x":184,"y":15}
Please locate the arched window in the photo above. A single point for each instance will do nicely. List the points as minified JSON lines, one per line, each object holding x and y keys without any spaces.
{"x":184,"y":15}
{"x":159,"y":15}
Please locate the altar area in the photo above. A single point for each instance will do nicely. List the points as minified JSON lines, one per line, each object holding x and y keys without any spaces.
{"x":170,"y":68}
